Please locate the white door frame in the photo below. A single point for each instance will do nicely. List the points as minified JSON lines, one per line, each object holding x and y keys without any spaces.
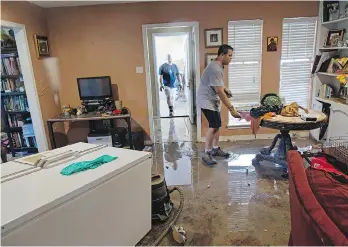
{"x":29,"y":83}
{"x":195,"y":26}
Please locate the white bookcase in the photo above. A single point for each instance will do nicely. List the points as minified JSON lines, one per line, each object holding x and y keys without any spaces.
{"x":338,"y":121}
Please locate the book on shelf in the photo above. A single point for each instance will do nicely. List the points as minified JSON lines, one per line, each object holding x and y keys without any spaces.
{"x":16,"y":103}
{"x":15,"y":120}
{"x":32,"y":142}
{"x":10,"y":65}
{"x":21,"y":142}
{"x":17,"y":140}
{"x":325,"y":91}
{"x":11,"y":85}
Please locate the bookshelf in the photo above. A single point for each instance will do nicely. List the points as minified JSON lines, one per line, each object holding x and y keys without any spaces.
{"x":327,"y":91}
{"x":15,"y":113}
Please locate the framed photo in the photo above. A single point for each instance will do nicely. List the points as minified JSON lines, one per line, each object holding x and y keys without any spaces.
{"x":333,"y":37}
{"x":272,"y":43}
{"x":42,"y":48}
{"x":213,"y":37}
{"x":209,"y":57}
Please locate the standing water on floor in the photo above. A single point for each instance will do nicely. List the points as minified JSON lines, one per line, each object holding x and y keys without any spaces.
{"x":225,"y":204}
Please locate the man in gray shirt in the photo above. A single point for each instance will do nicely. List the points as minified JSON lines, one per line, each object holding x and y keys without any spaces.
{"x":210,"y":93}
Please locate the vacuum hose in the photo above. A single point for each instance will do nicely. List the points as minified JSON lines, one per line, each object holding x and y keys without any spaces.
{"x":176,"y":216}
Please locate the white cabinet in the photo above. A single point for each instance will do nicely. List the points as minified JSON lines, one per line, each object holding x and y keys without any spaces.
{"x":318,"y":107}
{"x":338,"y":123}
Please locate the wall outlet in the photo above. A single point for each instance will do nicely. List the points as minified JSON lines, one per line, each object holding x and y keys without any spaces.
{"x":139,"y":70}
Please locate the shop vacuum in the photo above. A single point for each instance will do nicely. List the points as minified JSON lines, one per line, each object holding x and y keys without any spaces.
{"x":162,"y":207}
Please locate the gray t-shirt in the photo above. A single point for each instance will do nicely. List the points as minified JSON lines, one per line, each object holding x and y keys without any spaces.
{"x":207,"y":98}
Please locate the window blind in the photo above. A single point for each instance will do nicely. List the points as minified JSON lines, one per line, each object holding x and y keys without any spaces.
{"x":244,"y":72}
{"x":298,"y":42}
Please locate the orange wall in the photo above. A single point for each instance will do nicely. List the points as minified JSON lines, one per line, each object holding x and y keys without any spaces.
{"x":33,"y":17}
{"x":107,"y":40}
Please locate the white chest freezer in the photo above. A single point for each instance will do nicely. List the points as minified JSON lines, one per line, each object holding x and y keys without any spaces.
{"x":23,"y":166}
{"x":109,"y":205}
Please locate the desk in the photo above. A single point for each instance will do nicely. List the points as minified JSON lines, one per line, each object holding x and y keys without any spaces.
{"x":91,"y":116}
{"x":285,"y":125}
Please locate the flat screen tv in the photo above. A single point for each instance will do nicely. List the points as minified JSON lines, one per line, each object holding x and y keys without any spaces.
{"x":94,"y":88}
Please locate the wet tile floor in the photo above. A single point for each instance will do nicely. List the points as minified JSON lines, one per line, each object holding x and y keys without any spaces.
{"x":224,"y":204}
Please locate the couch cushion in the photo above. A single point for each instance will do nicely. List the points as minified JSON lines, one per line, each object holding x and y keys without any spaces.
{"x":332,"y":195}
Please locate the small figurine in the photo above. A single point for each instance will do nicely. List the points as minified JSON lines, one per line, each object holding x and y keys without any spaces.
{"x":80,"y":110}
{"x":73,"y":111}
{"x":66,"y":111}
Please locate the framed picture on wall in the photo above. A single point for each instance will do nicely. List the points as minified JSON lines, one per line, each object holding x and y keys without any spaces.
{"x":209,"y":57}
{"x":213,"y":37}
{"x":41,"y":44}
{"x":272,"y":43}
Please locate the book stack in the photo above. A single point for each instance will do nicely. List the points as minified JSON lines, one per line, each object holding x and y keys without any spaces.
{"x":16,"y":103}
{"x":10,"y":65}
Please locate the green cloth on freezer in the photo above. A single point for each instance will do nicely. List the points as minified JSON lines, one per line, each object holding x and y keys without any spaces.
{"x":85,"y":165}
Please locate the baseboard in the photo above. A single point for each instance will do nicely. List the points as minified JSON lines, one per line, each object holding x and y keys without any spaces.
{"x":301,"y":134}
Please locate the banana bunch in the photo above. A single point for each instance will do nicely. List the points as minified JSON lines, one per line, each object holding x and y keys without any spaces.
{"x":292,"y":110}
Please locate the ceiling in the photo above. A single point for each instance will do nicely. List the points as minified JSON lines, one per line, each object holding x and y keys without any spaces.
{"x":53,"y":4}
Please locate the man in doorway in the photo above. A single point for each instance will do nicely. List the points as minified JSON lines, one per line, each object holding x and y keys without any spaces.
{"x":210,"y":93}
{"x":169,"y":75}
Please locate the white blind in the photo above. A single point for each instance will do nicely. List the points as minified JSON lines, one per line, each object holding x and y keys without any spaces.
{"x":298,"y":40}
{"x":244,"y":72}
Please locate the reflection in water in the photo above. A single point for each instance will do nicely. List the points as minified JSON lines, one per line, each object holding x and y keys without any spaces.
{"x":177,"y":167}
{"x":181,"y":175}
{"x":241,"y":188}
{"x":241,"y":162}
{"x":275,"y":185}
{"x":173,"y":129}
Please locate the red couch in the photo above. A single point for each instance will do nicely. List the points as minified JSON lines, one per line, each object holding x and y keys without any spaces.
{"x":318,"y":204}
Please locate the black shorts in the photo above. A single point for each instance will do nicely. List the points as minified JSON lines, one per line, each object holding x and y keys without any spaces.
{"x":213,"y":117}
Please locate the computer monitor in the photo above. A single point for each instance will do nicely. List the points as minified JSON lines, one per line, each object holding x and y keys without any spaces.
{"x":94,"y":88}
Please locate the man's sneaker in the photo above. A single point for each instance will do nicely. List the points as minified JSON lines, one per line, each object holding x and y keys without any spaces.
{"x":208,"y":158}
{"x":219,"y":152}
{"x":171,"y":114}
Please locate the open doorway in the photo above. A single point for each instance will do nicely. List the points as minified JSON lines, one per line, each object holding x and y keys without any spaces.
{"x":180,"y":40}
{"x":173,"y":45}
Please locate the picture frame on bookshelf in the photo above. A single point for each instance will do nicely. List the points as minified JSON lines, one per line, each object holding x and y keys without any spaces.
{"x":333,"y":37}
{"x":42,"y":47}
